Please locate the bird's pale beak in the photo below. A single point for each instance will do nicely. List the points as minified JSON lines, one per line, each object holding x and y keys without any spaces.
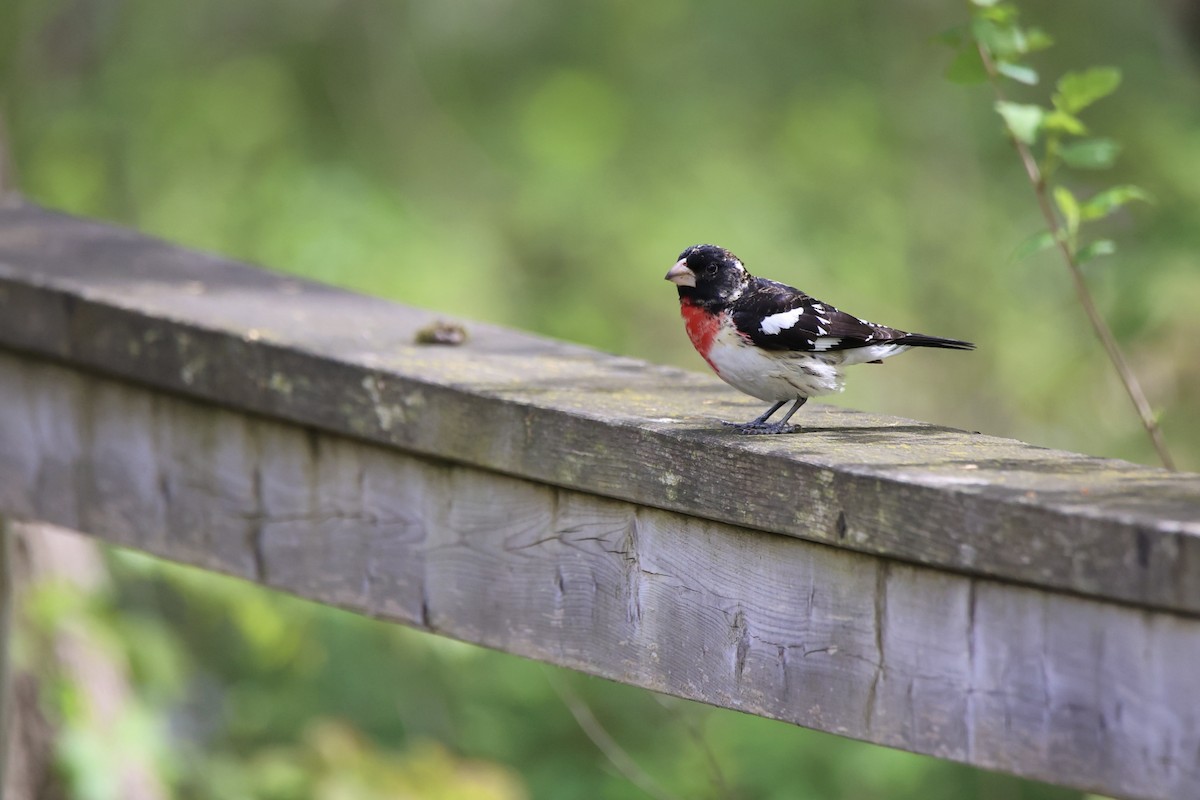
{"x":680,"y":275}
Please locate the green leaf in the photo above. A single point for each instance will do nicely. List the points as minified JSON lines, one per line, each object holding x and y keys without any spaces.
{"x":1061,"y":121}
{"x":1033,"y":244}
{"x":1100,"y":247}
{"x":1078,"y":90}
{"x":1090,"y":153}
{"x":966,"y":68}
{"x":1023,"y":120}
{"x":1018,"y":72}
{"x":1069,"y":207}
{"x":1108,"y":201}
{"x":1004,"y":41}
{"x":1037,"y":39}
{"x":1004,"y":13}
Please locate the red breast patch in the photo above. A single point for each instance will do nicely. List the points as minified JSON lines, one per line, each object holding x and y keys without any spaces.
{"x":702,"y":328}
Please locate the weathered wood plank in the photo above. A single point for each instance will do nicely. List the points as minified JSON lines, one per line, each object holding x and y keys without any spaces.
{"x":117,"y":302}
{"x":1074,"y":690}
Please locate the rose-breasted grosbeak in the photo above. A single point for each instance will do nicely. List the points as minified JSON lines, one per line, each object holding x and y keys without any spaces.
{"x":772,"y":341}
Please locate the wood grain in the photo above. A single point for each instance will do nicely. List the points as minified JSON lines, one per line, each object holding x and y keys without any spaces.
{"x":1073,"y":690}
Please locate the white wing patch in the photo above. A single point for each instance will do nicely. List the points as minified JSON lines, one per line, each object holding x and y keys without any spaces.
{"x":780,"y":322}
{"x":872,"y":352}
{"x":826,"y":343}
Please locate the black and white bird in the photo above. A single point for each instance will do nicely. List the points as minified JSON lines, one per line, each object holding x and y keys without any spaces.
{"x":773,"y":341}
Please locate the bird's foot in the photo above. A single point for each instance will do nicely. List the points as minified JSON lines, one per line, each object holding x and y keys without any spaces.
{"x":761,"y":428}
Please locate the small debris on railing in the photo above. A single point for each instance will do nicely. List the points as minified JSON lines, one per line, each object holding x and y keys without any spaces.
{"x":441,"y":332}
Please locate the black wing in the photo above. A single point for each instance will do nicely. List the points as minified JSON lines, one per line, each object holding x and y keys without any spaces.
{"x":778,"y":317}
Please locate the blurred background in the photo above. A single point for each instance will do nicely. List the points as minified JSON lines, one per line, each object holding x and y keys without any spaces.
{"x":541,"y":164}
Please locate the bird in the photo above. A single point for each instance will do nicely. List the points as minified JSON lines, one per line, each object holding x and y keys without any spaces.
{"x":773,"y":341}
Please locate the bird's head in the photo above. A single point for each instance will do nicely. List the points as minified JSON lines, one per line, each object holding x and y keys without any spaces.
{"x":708,"y":274}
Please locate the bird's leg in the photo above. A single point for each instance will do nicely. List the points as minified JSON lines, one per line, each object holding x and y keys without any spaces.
{"x":799,"y":402}
{"x":756,"y":422}
{"x":761,"y":426}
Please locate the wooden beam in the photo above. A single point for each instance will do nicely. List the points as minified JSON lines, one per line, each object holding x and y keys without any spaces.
{"x":125,"y":305}
{"x":949,"y":593}
{"x":1073,"y":690}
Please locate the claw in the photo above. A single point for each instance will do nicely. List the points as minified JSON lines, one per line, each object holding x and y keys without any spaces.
{"x":761,"y":428}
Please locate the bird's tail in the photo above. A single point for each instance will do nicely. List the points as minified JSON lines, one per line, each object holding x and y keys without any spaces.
{"x":921,"y":340}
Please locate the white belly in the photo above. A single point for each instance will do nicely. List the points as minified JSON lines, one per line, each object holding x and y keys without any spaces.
{"x":773,"y":375}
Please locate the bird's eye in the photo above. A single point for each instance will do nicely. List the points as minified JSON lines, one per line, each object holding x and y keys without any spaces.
{"x":710,"y":270}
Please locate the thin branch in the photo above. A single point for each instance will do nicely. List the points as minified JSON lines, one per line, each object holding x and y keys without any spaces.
{"x":600,"y":737}
{"x":695,"y":726}
{"x":1128,"y":379}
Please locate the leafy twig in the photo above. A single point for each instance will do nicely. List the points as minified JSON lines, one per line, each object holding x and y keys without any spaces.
{"x":991,"y":49}
{"x":1128,"y":379}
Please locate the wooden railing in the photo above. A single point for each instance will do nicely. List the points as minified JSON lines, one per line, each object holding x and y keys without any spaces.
{"x":974,"y":598}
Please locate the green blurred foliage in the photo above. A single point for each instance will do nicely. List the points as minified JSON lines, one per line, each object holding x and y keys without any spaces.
{"x":541,"y":164}
{"x":332,"y":761}
{"x":64,"y":624}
